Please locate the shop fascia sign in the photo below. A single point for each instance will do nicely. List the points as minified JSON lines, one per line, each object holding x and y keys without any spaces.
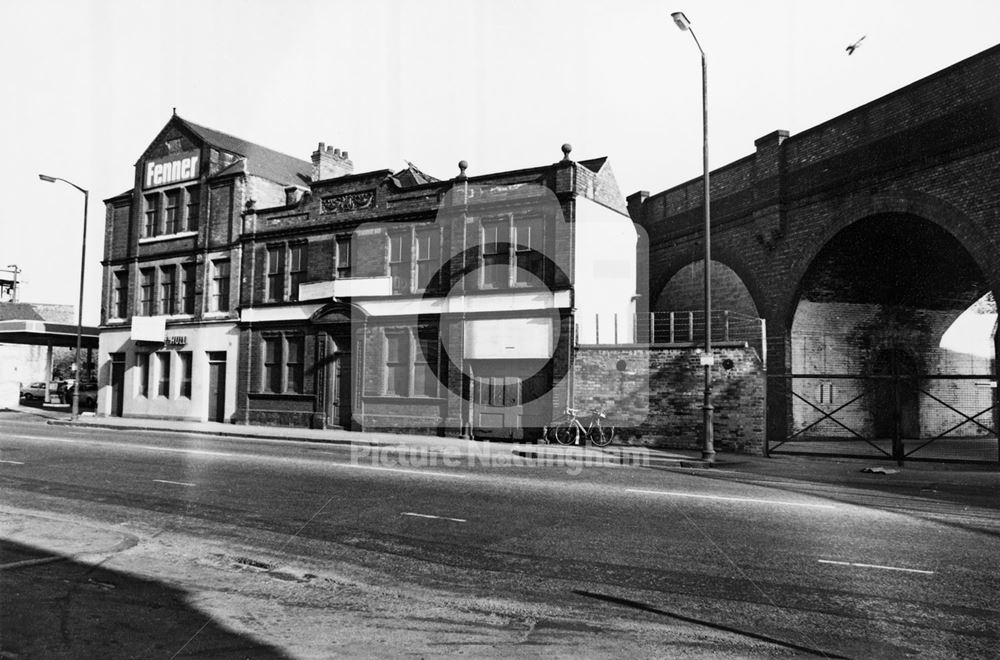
{"x":171,"y":169}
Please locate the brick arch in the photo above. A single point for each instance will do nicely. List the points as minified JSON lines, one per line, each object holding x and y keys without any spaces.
{"x":972,"y":237}
{"x":664,"y":272}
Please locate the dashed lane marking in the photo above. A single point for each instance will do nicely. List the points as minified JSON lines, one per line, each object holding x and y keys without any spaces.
{"x":424,"y":515}
{"x":885,"y":568}
{"x":174,"y":483}
{"x":730,"y":499}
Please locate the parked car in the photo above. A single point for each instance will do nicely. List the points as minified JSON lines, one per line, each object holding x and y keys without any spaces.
{"x":33,"y":391}
{"x":88,"y":395}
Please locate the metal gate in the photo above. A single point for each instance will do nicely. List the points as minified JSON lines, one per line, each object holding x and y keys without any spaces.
{"x":940,"y":417}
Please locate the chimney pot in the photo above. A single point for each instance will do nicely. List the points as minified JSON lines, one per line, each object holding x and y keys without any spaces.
{"x":343,"y":154}
{"x":336,"y":152}
{"x":321,"y":145}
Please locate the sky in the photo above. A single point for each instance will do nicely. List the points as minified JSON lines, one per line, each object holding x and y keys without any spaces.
{"x":499,"y":83}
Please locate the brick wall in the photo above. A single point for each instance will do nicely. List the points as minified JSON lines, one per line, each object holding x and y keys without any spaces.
{"x":657,"y":395}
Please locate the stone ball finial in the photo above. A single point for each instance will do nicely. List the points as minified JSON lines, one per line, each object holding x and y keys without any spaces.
{"x":566,"y":149}
{"x":462,"y":166}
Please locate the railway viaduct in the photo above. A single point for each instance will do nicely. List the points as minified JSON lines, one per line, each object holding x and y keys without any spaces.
{"x":859,"y":241}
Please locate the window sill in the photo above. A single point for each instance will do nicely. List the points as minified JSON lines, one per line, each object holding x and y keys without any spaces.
{"x":284,"y":396}
{"x":166,"y":237}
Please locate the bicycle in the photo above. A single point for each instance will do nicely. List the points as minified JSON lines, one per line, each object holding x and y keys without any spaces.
{"x":570,"y":429}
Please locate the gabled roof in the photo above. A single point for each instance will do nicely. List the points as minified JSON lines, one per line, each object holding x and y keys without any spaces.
{"x":594,"y":164}
{"x":19,"y":312}
{"x":412,"y":176}
{"x":259,"y":161}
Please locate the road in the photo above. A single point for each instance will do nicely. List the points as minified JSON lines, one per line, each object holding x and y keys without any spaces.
{"x":311,"y":550}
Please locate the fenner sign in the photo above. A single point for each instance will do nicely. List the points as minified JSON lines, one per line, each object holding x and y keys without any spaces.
{"x":164,"y":171}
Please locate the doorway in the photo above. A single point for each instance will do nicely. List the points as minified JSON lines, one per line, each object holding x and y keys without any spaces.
{"x":117,"y":384}
{"x":338,"y":387}
{"x":217,"y":386}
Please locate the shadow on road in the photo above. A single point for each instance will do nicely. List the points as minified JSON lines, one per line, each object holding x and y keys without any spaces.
{"x":53,"y":606}
{"x":624,"y":602}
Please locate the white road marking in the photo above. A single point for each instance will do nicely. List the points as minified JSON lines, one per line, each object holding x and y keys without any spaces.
{"x":730,"y":499}
{"x":175,"y":483}
{"x":423,"y":473}
{"x":13,"y":462}
{"x":424,"y":515}
{"x":887,"y":568}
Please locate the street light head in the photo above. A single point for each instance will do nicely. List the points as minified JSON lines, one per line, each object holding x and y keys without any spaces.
{"x":681,"y":20}
{"x":46,"y":177}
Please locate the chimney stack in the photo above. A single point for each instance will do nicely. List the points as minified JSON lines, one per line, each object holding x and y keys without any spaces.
{"x":329,"y":163}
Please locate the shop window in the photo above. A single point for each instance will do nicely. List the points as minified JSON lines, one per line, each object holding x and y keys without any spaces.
{"x":193,"y":207}
{"x":146,"y":292}
{"x":163,"y":373}
{"x":186,"y":371}
{"x":343,"y":256}
{"x":168,"y":299}
{"x":119,"y":304}
{"x":428,"y":256}
{"x":142,"y":373}
{"x":188,"y":276}
{"x":220,"y":285}
{"x":276,"y":273}
{"x":171,"y":212}
{"x":297,"y":268}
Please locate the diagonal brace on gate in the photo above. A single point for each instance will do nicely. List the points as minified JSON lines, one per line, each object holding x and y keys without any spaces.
{"x":965,"y":421}
{"x":830,"y":416}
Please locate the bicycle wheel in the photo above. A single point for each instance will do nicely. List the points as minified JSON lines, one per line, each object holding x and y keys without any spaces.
{"x":600,"y":436}
{"x":565,"y":434}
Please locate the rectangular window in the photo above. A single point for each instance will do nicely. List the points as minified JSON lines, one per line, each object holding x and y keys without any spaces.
{"x":528,"y":251}
{"x":142,"y":373}
{"x":425,"y":381}
{"x":168,"y":289}
{"x":193,"y":207}
{"x":146,"y":292}
{"x":220,"y":285}
{"x":428,"y":256}
{"x":343,"y":256}
{"x":397,"y":363}
{"x":276,"y":273}
{"x":496,"y":255}
{"x":152,"y":215}
{"x":187,"y":370}
{"x":399,"y":262}
{"x":119,"y":305}
{"x":171,"y":215}
{"x":188,"y":275}
{"x":272,"y":364}
{"x":294,"y":353}
{"x":163,"y":371}
{"x":297,"y":268}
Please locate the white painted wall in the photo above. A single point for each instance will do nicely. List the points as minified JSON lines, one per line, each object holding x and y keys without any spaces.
{"x":200,"y":340}
{"x":604,"y":278}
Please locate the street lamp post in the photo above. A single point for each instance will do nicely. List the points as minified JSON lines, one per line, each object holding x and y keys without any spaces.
{"x":708,"y":447}
{"x":79,"y":309}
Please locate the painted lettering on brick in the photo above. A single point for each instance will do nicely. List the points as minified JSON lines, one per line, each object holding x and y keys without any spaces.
{"x":171,"y":171}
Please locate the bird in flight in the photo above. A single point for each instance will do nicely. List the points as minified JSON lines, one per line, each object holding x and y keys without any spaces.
{"x":853,"y":47}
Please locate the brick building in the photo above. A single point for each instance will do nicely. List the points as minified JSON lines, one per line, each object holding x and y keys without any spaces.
{"x":308,"y":295}
{"x":169,"y":341}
